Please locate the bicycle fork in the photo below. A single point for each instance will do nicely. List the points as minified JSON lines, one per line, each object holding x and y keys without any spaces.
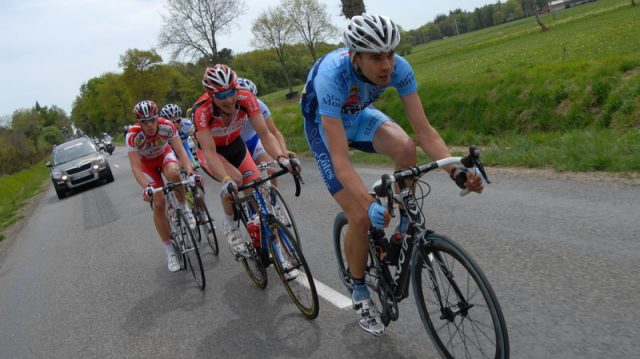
{"x":434,"y":260}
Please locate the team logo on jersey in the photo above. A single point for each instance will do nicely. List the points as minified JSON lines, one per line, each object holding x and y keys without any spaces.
{"x":352,"y":104}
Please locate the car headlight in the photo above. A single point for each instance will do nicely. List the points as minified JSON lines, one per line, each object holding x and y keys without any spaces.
{"x":56,"y":175}
{"x":101,"y":160}
{"x":64,"y":177}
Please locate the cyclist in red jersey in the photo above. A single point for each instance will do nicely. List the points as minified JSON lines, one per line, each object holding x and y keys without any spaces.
{"x":149,"y":145}
{"x":219,"y":115}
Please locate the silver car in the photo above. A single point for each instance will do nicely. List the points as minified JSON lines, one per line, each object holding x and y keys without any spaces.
{"x":76,"y":163}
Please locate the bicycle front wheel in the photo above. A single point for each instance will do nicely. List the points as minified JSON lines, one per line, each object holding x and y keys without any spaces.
{"x":283,"y":214}
{"x":293,"y":270}
{"x":457,"y":305}
{"x":191,"y":253}
{"x":252,"y":263}
{"x":205,"y":221}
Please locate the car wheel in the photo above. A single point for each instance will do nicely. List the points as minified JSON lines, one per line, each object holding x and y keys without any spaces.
{"x":109,"y":175}
{"x":60,"y":192}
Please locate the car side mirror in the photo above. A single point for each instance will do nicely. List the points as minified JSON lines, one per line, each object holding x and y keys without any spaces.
{"x":47,"y":163}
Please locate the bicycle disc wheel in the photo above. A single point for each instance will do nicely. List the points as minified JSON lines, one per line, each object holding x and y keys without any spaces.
{"x":301,"y":288}
{"x":283,"y":214}
{"x":252,"y":263}
{"x":457,"y":305}
{"x":191,"y":253}
{"x":205,"y":221}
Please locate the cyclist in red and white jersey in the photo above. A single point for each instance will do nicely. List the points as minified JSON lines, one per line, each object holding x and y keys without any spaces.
{"x":220,"y":115}
{"x":149,"y":145}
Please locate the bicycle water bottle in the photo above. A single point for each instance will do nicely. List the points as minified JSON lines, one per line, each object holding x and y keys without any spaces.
{"x":253,"y":227}
{"x":380,"y":243}
{"x":393,"y":251}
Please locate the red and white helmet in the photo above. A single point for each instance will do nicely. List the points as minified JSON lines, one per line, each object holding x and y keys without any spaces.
{"x":371,"y":33}
{"x":219,"y":78}
{"x":145,"y":109}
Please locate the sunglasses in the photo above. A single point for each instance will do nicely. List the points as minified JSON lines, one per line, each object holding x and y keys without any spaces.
{"x":148,"y":120}
{"x":176,"y":120}
{"x":223,"y":95}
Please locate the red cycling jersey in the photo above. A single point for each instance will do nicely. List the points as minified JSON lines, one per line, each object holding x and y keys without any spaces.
{"x":154,"y":146}
{"x":209,"y":117}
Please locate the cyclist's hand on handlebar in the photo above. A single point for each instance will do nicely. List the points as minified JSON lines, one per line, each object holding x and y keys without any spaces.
{"x":228,"y":187}
{"x":285,"y":162}
{"x":147,"y":195}
{"x":379,"y":215}
{"x":197,"y":179}
{"x":469,"y":179}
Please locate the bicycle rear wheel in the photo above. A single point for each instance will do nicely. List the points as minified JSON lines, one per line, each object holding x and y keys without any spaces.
{"x":457,"y":305}
{"x":191,"y":253}
{"x":375,"y":274}
{"x":205,"y":221}
{"x":252,"y":263}
{"x":283,"y":214}
{"x":302,"y":288}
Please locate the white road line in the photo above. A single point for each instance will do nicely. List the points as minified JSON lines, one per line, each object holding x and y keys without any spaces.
{"x":328,"y":293}
{"x":116,"y":165}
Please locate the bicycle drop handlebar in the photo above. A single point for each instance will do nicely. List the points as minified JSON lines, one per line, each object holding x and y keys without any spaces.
{"x":170,"y":186}
{"x":382,"y":188}
{"x":295,"y":166}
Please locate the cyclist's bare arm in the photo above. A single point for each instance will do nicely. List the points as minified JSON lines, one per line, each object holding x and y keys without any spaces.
{"x":183,"y":157}
{"x":136,"y":168}
{"x":274,"y":130}
{"x":269,"y":141}
{"x":430,"y":140}
{"x":211,"y":155}
{"x":339,"y":149}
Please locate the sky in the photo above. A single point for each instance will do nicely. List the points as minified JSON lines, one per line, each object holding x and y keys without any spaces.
{"x":49,"y":48}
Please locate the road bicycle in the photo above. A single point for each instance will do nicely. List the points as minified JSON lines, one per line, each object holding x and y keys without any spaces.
{"x":272,"y":242}
{"x":182,"y":237}
{"x":457,"y":306}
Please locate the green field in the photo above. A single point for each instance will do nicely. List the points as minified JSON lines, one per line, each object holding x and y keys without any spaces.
{"x":567,"y":98}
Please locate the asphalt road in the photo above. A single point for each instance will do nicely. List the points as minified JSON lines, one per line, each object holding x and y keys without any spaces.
{"x":86,"y":276}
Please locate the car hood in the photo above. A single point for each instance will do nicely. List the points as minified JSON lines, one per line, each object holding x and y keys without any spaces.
{"x":77,"y":162}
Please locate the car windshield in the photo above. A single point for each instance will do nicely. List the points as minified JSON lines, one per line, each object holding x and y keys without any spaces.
{"x":69,"y":153}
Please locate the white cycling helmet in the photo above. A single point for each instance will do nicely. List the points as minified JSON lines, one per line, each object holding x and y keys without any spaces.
{"x":170,"y":111}
{"x":247,"y":84}
{"x":371,"y":33}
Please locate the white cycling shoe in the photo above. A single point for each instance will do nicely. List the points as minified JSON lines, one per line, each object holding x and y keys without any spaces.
{"x":172,"y":263}
{"x":368,"y":316}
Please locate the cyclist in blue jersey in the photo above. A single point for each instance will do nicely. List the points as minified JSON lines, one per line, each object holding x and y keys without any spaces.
{"x":337,"y":111}
{"x":186,"y":129}
{"x":249,"y":134}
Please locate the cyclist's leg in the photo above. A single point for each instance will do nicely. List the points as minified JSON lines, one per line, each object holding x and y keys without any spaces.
{"x":259,"y":154}
{"x":159,"y":218}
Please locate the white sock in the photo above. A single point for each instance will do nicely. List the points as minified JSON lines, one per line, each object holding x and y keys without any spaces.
{"x":228,"y":221}
{"x":168,"y":248}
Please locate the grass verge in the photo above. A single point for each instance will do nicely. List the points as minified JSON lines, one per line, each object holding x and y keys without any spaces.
{"x":16,"y":189}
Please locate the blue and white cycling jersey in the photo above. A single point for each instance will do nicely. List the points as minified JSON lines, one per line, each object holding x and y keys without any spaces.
{"x":334,"y":89}
{"x":187,"y":129}
{"x":248,"y":131}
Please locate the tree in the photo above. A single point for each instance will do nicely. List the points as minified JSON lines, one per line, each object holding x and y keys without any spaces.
{"x":192,"y":26}
{"x":529,"y":6}
{"x":141,"y":73}
{"x":351,"y":8}
{"x":311,"y":21}
{"x":271,"y":30}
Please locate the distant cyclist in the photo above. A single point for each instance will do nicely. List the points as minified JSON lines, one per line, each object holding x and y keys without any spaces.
{"x":186,"y":129}
{"x":338,"y":115}
{"x":150,"y":143}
